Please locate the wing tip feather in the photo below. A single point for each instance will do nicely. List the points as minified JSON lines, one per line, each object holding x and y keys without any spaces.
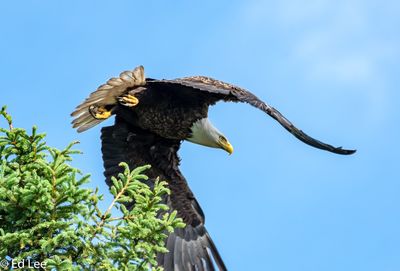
{"x":340,"y":150}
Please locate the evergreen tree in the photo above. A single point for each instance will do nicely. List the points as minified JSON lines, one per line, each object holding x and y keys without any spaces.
{"x":48,"y":217}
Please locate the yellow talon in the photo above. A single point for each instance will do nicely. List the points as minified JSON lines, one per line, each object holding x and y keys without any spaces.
{"x":128,"y":100}
{"x":99,"y":112}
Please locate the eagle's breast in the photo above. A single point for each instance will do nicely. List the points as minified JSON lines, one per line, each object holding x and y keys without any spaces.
{"x":168,"y":116}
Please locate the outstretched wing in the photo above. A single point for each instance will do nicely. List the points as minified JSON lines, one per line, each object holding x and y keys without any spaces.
{"x":228,"y":92}
{"x":190,"y":248}
{"x":106,"y":95}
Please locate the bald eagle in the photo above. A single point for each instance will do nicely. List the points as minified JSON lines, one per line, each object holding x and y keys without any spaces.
{"x":153,"y":117}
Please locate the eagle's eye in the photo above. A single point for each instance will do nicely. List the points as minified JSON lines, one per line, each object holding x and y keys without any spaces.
{"x":223,"y":139}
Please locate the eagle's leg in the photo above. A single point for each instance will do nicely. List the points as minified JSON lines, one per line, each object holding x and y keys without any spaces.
{"x":128,"y":100}
{"x":100,"y":112}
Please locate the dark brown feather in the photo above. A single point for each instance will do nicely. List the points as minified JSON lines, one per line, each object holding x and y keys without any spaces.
{"x":190,"y":248}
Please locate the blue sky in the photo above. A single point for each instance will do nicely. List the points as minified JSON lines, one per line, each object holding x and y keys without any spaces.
{"x":331,"y":67}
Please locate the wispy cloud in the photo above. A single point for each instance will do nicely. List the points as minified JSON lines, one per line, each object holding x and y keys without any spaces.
{"x":346,"y":42}
{"x":335,"y":39}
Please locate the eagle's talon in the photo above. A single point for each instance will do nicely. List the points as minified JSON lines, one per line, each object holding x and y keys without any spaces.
{"x":128,"y":100}
{"x":99,"y":112}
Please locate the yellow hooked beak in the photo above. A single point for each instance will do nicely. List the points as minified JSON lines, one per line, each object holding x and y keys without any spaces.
{"x":225,"y":145}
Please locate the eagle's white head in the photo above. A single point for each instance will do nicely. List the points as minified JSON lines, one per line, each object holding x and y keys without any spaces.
{"x":204,"y":133}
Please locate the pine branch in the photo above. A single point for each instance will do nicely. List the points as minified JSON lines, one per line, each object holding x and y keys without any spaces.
{"x":8,"y":118}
